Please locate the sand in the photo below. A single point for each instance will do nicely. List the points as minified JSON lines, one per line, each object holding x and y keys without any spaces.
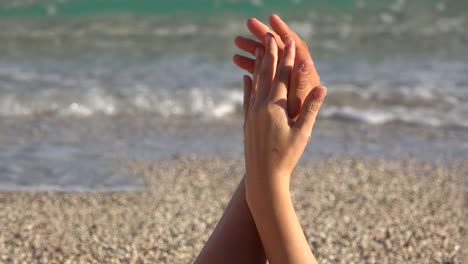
{"x":352,"y":211}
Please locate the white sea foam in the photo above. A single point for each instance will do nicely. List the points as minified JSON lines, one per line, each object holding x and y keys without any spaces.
{"x":430,"y":109}
{"x":422,"y":93}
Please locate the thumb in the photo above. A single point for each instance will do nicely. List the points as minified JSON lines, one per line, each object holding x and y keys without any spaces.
{"x":308,"y":114}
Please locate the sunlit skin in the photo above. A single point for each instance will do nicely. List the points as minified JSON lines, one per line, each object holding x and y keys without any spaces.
{"x":274,"y":144}
{"x":236,"y":238}
{"x":304,"y":76}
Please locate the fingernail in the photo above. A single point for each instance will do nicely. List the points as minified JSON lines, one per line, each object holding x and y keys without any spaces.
{"x":306,"y":66}
{"x":288,"y":40}
{"x":268,"y":38}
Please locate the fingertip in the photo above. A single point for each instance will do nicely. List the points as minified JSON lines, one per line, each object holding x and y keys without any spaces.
{"x":276,"y":20}
{"x":251,"y":21}
{"x":238,"y":61}
{"x":319,"y":93}
{"x":325,"y":89}
{"x":274,"y":17}
{"x":235,"y":58}
{"x":268,"y":37}
{"x":247,"y":81}
{"x":243,"y":62}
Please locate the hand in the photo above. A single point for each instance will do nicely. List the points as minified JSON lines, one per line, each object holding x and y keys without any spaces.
{"x":304,"y":74}
{"x":273,"y":141}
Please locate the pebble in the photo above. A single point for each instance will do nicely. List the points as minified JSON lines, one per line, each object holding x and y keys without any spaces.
{"x":352,"y":211}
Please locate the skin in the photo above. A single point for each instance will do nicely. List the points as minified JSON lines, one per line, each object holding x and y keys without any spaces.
{"x":229,"y":243}
{"x":274,"y":143}
{"x":304,"y":75}
{"x":235,"y":238}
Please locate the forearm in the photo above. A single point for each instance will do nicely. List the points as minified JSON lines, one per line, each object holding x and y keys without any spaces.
{"x":235,"y":238}
{"x":279,"y":228}
{"x":274,"y":143}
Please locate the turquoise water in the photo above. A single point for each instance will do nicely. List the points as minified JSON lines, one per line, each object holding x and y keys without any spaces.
{"x":87,"y":7}
{"x":85,"y":83}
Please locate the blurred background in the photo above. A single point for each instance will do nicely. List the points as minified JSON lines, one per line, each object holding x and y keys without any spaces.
{"x":86,"y":85}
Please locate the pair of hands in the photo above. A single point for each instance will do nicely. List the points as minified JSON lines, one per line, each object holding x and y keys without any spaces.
{"x":281,"y":102}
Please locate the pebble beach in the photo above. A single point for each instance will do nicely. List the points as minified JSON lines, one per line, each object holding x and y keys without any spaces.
{"x":352,"y":211}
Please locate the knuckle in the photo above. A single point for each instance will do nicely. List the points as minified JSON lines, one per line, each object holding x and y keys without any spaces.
{"x":302,"y":82}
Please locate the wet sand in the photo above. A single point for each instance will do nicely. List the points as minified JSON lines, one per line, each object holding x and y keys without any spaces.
{"x":352,"y":211}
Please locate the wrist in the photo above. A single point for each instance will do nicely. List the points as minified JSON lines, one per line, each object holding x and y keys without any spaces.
{"x":259,"y":190}
{"x":262,"y":180}
{"x":267,"y":177}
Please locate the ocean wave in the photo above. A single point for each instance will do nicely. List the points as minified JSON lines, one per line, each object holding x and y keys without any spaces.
{"x":423,"y":92}
{"x":396,"y":115}
{"x":373,"y":106}
{"x":162,"y":102}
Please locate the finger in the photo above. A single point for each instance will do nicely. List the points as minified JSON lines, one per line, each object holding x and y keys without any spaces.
{"x":247,"y":90}
{"x":300,"y":86}
{"x":304,"y":75}
{"x":282,"y":29}
{"x":259,"y":30}
{"x":245,"y":63}
{"x":281,"y":83}
{"x":258,"y":64}
{"x":268,"y":68}
{"x":247,"y":45}
{"x":305,"y":121}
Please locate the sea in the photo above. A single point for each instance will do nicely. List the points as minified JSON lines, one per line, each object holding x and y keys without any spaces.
{"x":88,"y":85}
